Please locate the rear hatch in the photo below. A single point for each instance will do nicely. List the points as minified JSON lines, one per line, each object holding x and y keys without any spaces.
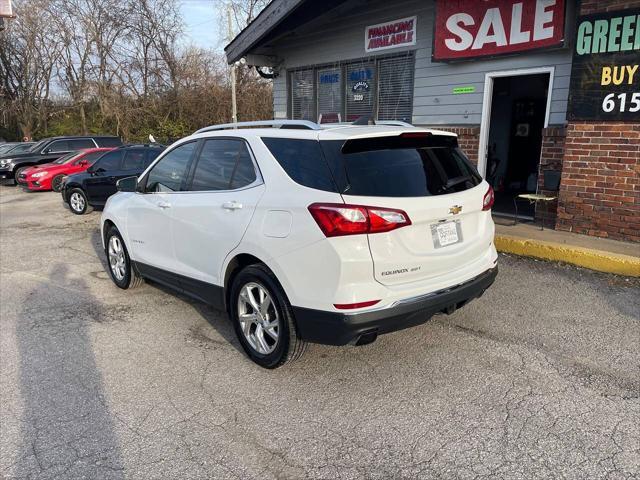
{"x":429,"y":179}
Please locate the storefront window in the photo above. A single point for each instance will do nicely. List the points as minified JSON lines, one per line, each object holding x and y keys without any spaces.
{"x":395,"y":100}
{"x":380,"y":88}
{"x":302,"y":95}
{"x":330,"y":95}
{"x":360,"y":90}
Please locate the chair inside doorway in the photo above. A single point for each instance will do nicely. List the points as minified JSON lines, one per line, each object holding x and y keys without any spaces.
{"x":518,"y":109}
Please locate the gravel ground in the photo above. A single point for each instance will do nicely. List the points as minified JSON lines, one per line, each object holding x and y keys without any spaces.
{"x":540,"y":378}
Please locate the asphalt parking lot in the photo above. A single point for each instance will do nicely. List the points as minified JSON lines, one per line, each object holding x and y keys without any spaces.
{"x":540,"y":378}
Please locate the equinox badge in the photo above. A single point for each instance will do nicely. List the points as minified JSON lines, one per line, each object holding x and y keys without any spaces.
{"x":456,"y":209}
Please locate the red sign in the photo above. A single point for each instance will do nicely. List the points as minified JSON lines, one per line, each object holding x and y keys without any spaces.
{"x":473,"y":28}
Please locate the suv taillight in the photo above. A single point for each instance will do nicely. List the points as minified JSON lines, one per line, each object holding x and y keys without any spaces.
{"x":338,"y":219}
{"x":487,"y":201}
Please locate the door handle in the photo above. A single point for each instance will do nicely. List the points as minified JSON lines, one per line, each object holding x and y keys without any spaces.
{"x":232,"y":205}
{"x":164,"y":205}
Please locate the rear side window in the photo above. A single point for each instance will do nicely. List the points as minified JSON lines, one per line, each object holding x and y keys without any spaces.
{"x":401,"y":172}
{"x":303,"y":161}
{"x":80,"y":143}
{"x":133,"y":160}
{"x":223,"y":165}
{"x":108,"y":141}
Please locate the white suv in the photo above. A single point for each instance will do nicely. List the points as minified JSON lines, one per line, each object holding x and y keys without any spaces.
{"x":307,"y":233}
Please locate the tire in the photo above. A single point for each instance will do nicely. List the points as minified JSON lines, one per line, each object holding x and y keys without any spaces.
{"x":288,"y":347}
{"x":17,"y":173}
{"x":78,"y":202}
{"x":56,"y":183}
{"x":119,"y":264}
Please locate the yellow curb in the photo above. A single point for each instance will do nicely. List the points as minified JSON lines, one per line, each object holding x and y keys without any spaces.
{"x":583,"y":257}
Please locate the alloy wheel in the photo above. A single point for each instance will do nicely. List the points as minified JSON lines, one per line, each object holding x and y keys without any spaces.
{"x":258,"y":317}
{"x":117,"y":261}
{"x":77,"y":202}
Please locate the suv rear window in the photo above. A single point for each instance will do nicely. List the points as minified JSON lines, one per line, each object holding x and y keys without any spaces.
{"x":401,"y":172}
{"x":378,"y":167}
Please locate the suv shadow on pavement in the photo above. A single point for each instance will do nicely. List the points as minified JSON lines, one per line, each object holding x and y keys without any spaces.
{"x":66,"y":426}
{"x":219,"y":320}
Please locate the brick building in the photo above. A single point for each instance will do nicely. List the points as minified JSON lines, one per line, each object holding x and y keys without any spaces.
{"x":520,"y":81}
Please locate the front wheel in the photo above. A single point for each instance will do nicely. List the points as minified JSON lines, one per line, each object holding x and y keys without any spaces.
{"x":56,"y":183}
{"x":120,"y":268}
{"x":263,"y":319}
{"x":16,"y":176}
{"x":78,"y":202}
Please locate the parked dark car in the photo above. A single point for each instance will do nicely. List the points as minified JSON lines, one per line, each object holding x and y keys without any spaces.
{"x":11,"y":148}
{"x":48,"y":150}
{"x":93,"y":187}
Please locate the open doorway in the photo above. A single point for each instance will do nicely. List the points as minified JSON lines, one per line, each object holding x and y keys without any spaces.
{"x":512,"y":137}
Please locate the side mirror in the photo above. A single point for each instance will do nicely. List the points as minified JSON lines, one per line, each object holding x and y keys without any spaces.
{"x":46,"y":151}
{"x":127,"y":184}
{"x":82,"y":163}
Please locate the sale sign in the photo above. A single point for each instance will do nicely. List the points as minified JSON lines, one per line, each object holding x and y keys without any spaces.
{"x":605,"y":72}
{"x":393,"y":34}
{"x":471,"y":28}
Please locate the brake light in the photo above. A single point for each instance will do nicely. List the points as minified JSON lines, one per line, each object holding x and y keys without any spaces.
{"x":487,"y":201}
{"x":337,"y":219}
{"x":415,"y":135}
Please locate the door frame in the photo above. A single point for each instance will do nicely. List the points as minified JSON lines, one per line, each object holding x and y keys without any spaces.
{"x":487,"y":100}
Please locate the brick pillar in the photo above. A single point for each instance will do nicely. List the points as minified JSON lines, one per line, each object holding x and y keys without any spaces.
{"x":468,"y":139}
{"x":551,"y":156}
{"x":600,"y":189}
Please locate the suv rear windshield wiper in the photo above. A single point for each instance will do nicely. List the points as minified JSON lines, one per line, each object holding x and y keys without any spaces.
{"x":453,"y":182}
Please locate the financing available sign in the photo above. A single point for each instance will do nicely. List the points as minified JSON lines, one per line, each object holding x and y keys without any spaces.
{"x":393,"y":34}
{"x":605,"y":73}
{"x":473,"y":28}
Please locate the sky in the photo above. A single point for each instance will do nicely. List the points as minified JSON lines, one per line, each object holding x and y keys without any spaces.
{"x":203,"y":21}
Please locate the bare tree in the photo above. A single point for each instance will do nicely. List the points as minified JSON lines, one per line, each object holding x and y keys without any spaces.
{"x":27,"y":55}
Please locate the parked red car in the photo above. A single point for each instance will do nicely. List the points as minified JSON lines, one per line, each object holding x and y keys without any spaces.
{"x":49,"y":176}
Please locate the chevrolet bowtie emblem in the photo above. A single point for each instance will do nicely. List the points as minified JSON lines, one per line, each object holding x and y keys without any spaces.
{"x":456,"y":209}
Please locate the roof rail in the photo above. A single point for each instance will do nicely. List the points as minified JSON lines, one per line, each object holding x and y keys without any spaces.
{"x":294,"y":124}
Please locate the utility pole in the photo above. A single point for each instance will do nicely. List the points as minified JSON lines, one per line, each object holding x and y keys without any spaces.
{"x":234,"y":105}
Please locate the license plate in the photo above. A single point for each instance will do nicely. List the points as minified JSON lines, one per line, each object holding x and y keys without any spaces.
{"x":446,"y":233}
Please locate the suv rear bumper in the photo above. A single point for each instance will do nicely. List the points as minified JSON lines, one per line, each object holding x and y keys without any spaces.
{"x":334,"y":328}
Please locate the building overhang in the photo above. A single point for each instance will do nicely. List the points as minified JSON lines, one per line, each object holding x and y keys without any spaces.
{"x":279,"y":18}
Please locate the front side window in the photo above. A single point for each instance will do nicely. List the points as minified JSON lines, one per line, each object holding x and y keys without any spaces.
{"x":90,"y":158}
{"x":110,"y":161}
{"x":58,"y":146}
{"x":223,"y":165}
{"x":170,"y":172}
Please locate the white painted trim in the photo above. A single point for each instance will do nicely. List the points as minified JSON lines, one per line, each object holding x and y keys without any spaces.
{"x":485,"y":124}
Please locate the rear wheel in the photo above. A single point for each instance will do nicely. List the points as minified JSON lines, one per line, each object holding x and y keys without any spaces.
{"x":120,"y":268}
{"x":56,"y":183}
{"x":78,"y":202}
{"x":263,"y":319}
